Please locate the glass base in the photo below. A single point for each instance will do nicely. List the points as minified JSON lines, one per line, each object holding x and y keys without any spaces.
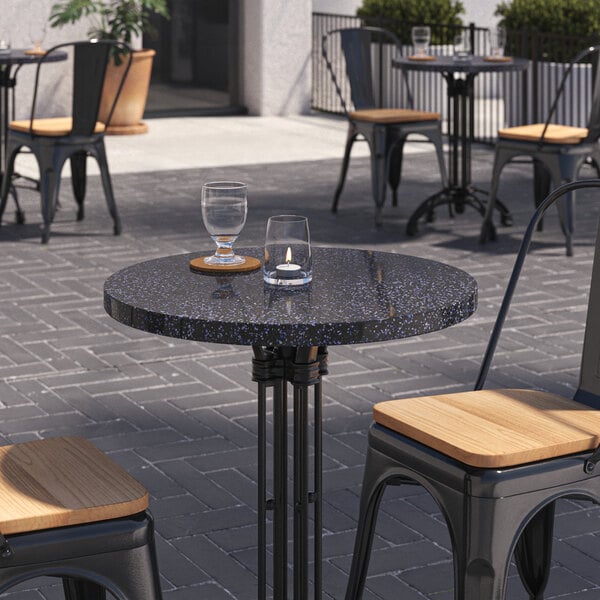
{"x":272,"y":279}
{"x":231,"y":259}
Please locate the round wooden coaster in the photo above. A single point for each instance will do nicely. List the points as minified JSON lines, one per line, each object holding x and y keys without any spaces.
{"x":497,"y":59}
{"x":426,"y":57}
{"x":34,"y":52}
{"x":250,"y":264}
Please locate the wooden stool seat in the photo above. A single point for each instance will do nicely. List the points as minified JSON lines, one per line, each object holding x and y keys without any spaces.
{"x":555,"y":134}
{"x":63,"y":481}
{"x":494,"y":428}
{"x":53,"y":127}
{"x":393,"y":115}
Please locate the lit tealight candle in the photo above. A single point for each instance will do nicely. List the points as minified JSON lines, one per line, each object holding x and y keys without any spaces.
{"x":289,"y":270}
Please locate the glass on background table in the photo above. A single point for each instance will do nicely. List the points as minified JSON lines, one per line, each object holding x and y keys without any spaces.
{"x":460,"y":80}
{"x":356,"y":296}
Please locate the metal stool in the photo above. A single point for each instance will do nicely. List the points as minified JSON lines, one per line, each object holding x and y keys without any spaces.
{"x":495,"y":461}
{"x":69,"y":511}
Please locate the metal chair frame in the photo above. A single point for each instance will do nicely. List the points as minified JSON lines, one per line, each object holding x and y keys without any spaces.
{"x":89,"y":66}
{"x":117,"y":555}
{"x":385,"y":140}
{"x":491,"y":513}
{"x":553,"y":163}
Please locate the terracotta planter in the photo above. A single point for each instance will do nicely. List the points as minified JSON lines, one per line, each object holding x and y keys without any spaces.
{"x":127,"y":116}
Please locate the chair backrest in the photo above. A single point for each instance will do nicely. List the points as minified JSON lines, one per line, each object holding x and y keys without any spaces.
{"x":588,"y":391}
{"x":593,"y":125}
{"x":90,"y":59}
{"x":357,"y":47}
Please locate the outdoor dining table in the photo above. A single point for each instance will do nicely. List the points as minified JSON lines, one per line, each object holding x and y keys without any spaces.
{"x":460,"y":81}
{"x":356,"y":296}
{"x":11,"y":62}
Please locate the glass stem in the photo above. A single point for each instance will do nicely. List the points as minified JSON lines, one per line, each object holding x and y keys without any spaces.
{"x":224,"y":248}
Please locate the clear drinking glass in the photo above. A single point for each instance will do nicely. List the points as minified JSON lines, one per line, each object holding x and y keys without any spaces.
{"x":462,"y":46}
{"x":288,"y":257}
{"x":38,"y":22}
{"x":224,"y":210}
{"x":497,"y":42}
{"x":421,"y":37}
{"x":4,"y":41}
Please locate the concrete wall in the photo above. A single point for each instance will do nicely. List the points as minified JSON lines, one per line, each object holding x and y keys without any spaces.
{"x":275,"y":42}
{"x":19,"y":17}
{"x":276,"y":51}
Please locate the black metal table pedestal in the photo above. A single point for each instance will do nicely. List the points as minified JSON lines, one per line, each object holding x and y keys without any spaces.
{"x":356,"y":296}
{"x":460,"y":191}
{"x":460,"y":82}
{"x":302,"y":367}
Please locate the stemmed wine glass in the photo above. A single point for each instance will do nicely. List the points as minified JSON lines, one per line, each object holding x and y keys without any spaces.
{"x":224,"y":209}
{"x":421,"y":37}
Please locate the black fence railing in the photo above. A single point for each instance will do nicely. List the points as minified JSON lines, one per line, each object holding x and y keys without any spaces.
{"x":500,"y":99}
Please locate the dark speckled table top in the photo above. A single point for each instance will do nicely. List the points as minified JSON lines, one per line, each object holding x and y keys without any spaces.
{"x":356,"y":296}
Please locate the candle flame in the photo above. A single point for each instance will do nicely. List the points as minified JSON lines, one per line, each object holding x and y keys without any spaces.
{"x":288,"y":256}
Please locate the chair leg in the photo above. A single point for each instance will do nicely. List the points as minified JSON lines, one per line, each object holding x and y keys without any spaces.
{"x":107,"y":185}
{"x":350,"y":139}
{"x":12,"y":152}
{"x":488,"y":231}
{"x":379,"y":170}
{"x":395,"y":169}
{"x":50,"y":169}
{"x":375,"y":479}
{"x":78,"y":180}
{"x":541,"y":187}
{"x":80,"y":589}
{"x":533,"y":552}
{"x":436,"y":140}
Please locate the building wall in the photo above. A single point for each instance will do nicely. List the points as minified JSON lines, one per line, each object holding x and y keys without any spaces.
{"x":275,"y":48}
{"x":20,"y":17}
{"x":276,"y":54}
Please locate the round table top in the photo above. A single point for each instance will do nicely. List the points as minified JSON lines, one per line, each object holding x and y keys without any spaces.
{"x":18,"y":57}
{"x":475,"y":64}
{"x":355,"y":296}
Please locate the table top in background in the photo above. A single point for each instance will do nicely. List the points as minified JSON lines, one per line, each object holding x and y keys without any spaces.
{"x":475,"y":64}
{"x":17,"y":56}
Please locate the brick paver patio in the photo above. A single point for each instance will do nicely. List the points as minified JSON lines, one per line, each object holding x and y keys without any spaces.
{"x":182,"y":416}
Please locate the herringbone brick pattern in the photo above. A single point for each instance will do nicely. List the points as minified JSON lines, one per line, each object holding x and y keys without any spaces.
{"x":181,"y":416}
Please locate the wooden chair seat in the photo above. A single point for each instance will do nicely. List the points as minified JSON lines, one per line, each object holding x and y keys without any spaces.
{"x":63,"y":481}
{"x":393,"y":115}
{"x":52,"y":127}
{"x":555,"y":134}
{"x":494,"y":428}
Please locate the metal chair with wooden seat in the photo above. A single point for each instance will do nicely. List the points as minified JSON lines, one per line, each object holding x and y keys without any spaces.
{"x":69,"y":511}
{"x":558,"y":151}
{"x":495,"y":461}
{"x":384,"y":129}
{"x":54,"y":140}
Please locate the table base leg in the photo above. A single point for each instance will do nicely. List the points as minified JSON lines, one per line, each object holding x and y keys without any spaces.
{"x":456,"y":199}
{"x":303,"y":368}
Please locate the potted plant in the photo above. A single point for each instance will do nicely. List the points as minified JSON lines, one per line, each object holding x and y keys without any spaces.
{"x":551,"y":32}
{"x":399,"y":16}
{"x":123,"y":20}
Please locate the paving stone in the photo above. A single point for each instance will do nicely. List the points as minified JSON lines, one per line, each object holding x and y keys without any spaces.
{"x":181,"y":416}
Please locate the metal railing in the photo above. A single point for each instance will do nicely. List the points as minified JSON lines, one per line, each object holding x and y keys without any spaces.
{"x":500,"y":99}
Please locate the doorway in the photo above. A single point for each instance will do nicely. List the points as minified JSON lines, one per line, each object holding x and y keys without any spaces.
{"x":196,"y":67}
